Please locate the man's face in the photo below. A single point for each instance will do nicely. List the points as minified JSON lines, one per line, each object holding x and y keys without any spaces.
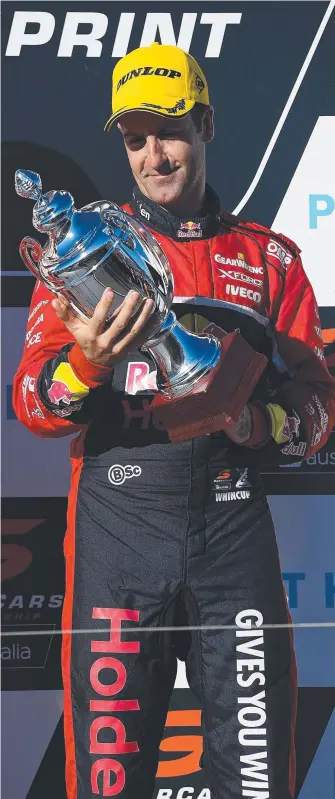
{"x":166,"y":156}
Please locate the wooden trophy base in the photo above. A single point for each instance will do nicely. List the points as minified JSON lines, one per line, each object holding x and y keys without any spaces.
{"x":222,"y":393}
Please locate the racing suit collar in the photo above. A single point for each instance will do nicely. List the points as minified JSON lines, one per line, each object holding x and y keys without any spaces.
{"x":154,"y":216}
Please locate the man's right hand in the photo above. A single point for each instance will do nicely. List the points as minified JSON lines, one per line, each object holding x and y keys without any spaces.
{"x":101,"y":345}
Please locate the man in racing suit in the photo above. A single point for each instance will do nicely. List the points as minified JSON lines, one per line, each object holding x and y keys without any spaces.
{"x":169,"y":535}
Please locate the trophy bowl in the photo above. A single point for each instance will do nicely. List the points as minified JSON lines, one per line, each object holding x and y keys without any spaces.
{"x":88,"y":250}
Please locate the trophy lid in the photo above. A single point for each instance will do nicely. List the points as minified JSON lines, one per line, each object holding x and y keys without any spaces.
{"x":73,"y":235}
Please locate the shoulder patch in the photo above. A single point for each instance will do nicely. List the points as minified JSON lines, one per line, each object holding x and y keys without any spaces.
{"x":261,"y":230}
{"x":278,"y":250}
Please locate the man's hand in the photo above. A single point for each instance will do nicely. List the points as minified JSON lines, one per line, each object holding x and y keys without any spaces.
{"x":239,"y":432}
{"x":253,"y":428}
{"x":101,"y":345}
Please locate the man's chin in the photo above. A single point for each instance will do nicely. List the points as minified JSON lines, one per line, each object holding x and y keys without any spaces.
{"x":162,"y":192}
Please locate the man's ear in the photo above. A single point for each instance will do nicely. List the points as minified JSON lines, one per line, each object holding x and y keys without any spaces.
{"x":208,"y":125}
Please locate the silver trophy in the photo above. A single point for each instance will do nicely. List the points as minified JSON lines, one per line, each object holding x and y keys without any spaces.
{"x":102,"y":246}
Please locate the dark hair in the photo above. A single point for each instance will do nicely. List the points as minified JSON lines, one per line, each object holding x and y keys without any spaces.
{"x":197,"y":114}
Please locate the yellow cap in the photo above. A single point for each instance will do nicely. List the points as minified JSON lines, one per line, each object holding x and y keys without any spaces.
{"x":162,"y":79}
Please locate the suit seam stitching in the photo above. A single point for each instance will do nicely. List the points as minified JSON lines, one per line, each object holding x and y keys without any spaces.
{"x":202,"y":684}
{"x":185,"y":552}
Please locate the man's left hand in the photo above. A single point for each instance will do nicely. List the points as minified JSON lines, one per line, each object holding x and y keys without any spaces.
{"x":239,"y":432}
{"x":253,"y":428}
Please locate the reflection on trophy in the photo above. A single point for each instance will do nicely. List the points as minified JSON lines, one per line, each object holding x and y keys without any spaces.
{"x":102,"y":246}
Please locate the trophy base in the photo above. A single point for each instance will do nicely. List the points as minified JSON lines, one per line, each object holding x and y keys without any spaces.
{"x":223,"y":392}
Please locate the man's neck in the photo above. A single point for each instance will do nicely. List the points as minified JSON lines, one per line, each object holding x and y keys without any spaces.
{"x":187,"y":206}
{"x":202,"y":224}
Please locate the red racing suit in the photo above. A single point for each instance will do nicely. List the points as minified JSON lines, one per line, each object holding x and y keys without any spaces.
{"x":245,"y":277}
{"x":167,"y":535}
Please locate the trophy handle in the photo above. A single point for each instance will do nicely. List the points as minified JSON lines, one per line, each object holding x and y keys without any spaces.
{"x":30,"y":251}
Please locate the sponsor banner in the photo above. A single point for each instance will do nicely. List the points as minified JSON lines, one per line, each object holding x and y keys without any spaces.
{"x":263,"y":142}
{"x":32,"y":593}
{"x":307,"y":211}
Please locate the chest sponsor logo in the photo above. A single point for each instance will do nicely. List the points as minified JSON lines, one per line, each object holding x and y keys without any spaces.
{"x":242,"y":481}
{"x":143,"y":212}
{"x":241,"y":291}
{"x":232,"y":477}
{"x":139,"y":378}
{"x":189,"y":230}
{"x":117,"y":474}
{"x":229,"y":496}
{"x":278,"y":252}
{"x":223,"y":481}
{"x":238,"y":262}
{"x":241,"y":276}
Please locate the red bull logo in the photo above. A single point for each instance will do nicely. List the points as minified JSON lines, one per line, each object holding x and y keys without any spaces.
{"x":59,"y":392}
{"x":290,"y":427}
{"x":190,"y":226}
{"x":189,"y":230}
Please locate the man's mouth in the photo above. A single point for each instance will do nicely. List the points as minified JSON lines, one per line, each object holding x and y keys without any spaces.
{"x":162,"y":174}
{"x":162,"y":177}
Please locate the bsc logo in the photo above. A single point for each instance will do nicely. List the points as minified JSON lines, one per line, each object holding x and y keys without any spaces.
{"x":118,"y":474}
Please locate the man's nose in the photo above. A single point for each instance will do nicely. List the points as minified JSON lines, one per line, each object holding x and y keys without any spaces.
{"x":155,"y":152}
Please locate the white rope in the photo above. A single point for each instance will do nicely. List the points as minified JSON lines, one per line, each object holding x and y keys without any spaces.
{"x":104,"y":630}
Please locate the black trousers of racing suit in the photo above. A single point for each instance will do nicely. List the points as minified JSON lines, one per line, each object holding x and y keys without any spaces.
{"x":181,"y":538}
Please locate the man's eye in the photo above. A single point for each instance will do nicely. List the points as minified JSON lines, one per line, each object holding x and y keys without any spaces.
{"x":135,"y":140}
{"x":169,"y":134}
